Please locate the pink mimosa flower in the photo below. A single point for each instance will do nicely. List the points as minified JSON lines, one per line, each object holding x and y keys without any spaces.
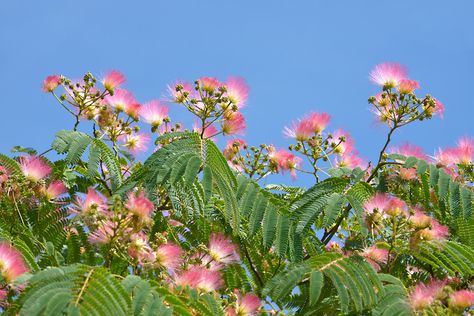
{"x":200,"y":278}
{"x":93,"y":202}
{"x":3,"y":175}
{"x":233,"y":123}
{"x":123,"y":101}
{"x":237,"y":91}
{"x":12,"y":264}
{"x":439,"y":109}
{"x":465,"y":150}
{"x":136,"y":143}
{"x":446,"y":157}
{"x":396,"y":207}
{"x":408,"y":174}
{"x":301,"y":130}
{"x":113,"y":80}
{"x":3,"y":295}
{"x":351,"y":161}
{"x":378,"y":203}
{"x":103,"y":234}
{"x":410,"y":150}
{"x":233,"y":147}
{"x":436,"y":232}
{"x":51,"y":83}
{"x":424,"y":295}
{"x":342,"y":142}
{"x":154,"y":112}
{"x":209,"y":83}
{"x":221,"y":249}
{"x":388,"y":74}
{"x":34,"y":168}
{"x":246,"y":305}
{"x":462,"y":299}
{"x":420,"y":219}
{"x":318,"y":121}
{"x":375,"y":256}
{"x":140,"y":249}
{"x":55,"y":189}
{"x":169,"y":256}
{"x":285,"y":161}
{"x":139,"y":205}
{"x":408,"y":86}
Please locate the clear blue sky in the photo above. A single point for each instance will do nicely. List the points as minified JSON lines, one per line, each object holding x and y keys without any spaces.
{"x":297,"y":56}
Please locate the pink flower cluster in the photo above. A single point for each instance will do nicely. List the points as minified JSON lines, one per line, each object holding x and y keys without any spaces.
{"x":38,"y":172}
{"x":245,"y":305}
{"x":313,"y":123}
{"x":450,"y":158}
{"x":400,"y":107}
{"x":215,"y":103}
{"x":205,"y":274}
{"x":283,"y":160}
{"x":12,"y":264}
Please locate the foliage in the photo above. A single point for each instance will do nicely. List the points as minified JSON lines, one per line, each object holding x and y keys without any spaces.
{"x":191,"y":231}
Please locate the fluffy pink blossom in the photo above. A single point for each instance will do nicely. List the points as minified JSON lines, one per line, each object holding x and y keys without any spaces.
{"x":351,"y":161}
{"x":446,"y":157}
{"x":408,"y":86}
{"x":3,"y":175}
{"x":113,"y":80}
{"x":407,"y":174}
{"x":247,"y":305}
{"x":388,"y":74}
{"x":103,"y":234}
{"x":284,"y":160}
{"x":55,"y":189}
{"x":375,"y":256}
{"x":342,"y":142}
{"x":424,"y":295}
{"x":396,"y":207}
{"x":420,"y":219}
{"x":154,"y":112}
{"x":12,"y":264}
{"x":318,"y":121}
{"x":93,"y":202}
{"x":200,"y":278}
{"x":136,"y":143}
{"x":461,"y":299}
{"x":3,"y":296}
{"x":378,"y":203}
{"x":139,"y":205}
{"x":123,"y":101}
{"x":436,"y":232}
{"x":140,"y":249}
{"x":208,"y":83}
{"x":233,"y":123}
{"x":221,"y":249}
{"x":301,"y":130}
{"x":304,"y":128}
{"x":237,"y":91}
{"x":439,"y":108}
{"x":51,"y":83}
{"x":34,"y":168}
{"x":168,"y":256}
{"x":233,"y":147}
{"x":410,"y":150}
{"x":465,"y":150}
